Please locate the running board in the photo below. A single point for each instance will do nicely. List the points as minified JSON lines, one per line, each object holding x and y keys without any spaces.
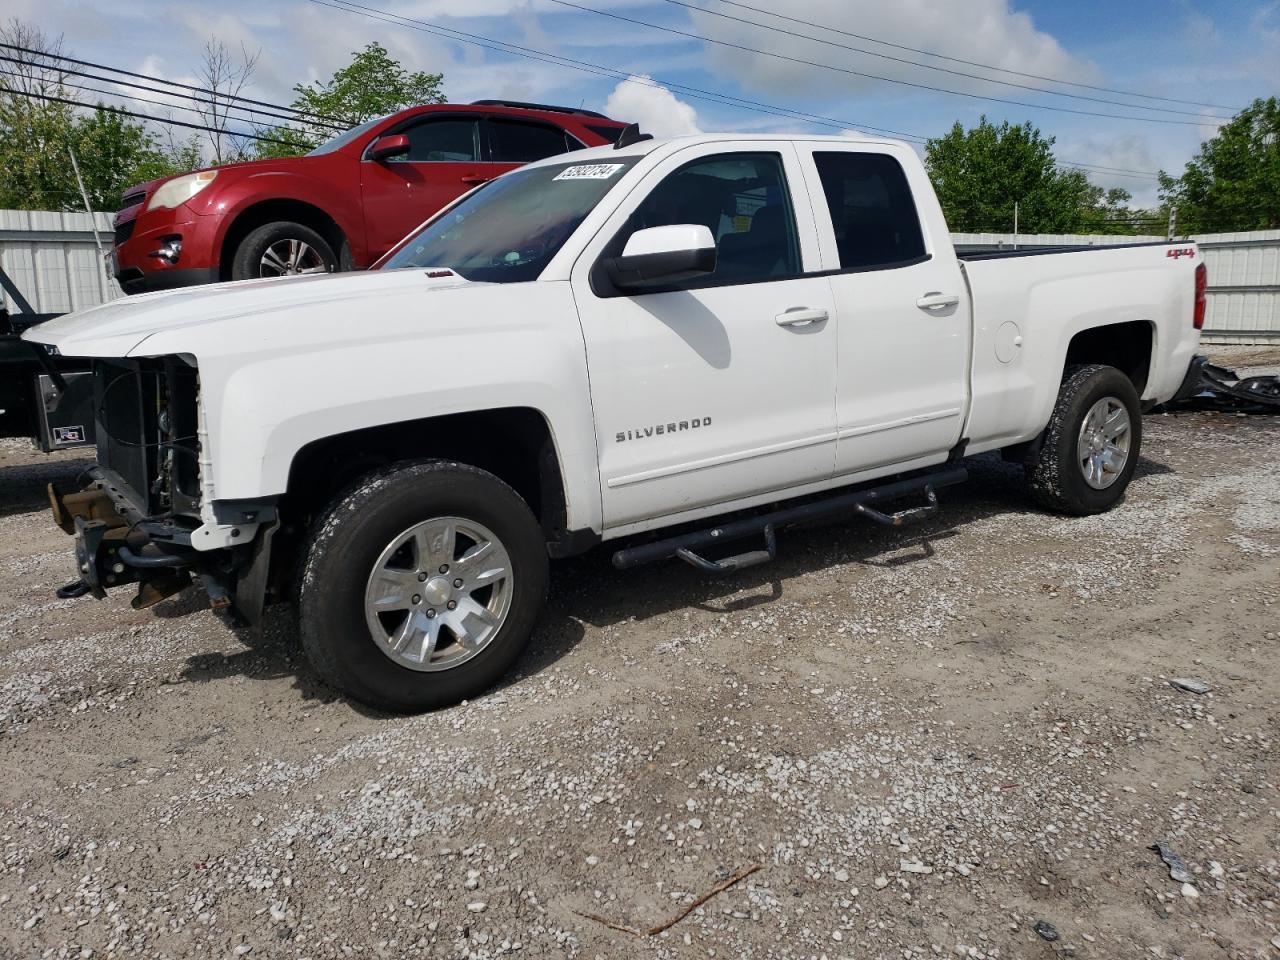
{"x":686,"y":546}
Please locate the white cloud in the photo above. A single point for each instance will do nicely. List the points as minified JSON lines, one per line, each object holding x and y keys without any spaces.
{"x":1126,"y":152}
{"x":653,"y":106}
{"x":984,"y":31}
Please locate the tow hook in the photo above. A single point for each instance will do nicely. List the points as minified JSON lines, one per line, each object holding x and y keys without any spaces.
{"x":72,"y":590}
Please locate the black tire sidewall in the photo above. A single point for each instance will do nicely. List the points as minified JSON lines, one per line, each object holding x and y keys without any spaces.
{"x":332,"y":617}
{"x":1074,"y":489}
{"x":245,"y":261}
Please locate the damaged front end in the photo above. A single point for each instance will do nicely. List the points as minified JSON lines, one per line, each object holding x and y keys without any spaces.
{"x":110,"y":551}
{"x":144,"y":516}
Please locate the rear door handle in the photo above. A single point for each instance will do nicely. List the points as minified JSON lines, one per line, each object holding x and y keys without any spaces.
{"x":936,"y":301}
{"x":475,"y":178}
{"x":800,"y":317}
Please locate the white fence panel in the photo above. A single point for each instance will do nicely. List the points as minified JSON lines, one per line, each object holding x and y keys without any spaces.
{"x":1244,"y":276}
{"x":53,"y":260}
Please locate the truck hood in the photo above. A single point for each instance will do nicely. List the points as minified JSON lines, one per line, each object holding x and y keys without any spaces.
{"x":121,"y":327}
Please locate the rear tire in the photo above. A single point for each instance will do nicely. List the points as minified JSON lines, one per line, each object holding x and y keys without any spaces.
{"x":1091,"y":445}
{"x":392,"y":610}
{"x":282,"y":248}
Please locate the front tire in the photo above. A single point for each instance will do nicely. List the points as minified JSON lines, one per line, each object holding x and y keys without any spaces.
{"x":1091,"y":445}
{"x":282,"y":248}
{"x":422,"y":586}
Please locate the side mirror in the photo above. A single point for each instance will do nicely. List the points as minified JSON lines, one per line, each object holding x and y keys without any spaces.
{"x":384,"y":148}
{"x":657,"y":256}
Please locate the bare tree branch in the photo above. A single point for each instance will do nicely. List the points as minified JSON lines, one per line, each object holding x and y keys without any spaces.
{"x":35,"y":73}
{"x":225,"y":76}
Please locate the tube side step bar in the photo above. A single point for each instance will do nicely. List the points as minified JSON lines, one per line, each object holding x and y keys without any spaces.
{"x":686,"y":545}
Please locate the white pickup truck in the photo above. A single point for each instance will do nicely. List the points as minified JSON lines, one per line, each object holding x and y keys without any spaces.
{"x":600,"y":348}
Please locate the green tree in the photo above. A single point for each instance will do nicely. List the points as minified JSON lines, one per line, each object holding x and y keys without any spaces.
{"x":1233,"y":183}
{"x":113,"y":153}
{"x":982,"y":172}
{"x":282,"y":142}
{"x":372,"y":85}
{"x":40,"y":124}
{"x":1108,"y":211}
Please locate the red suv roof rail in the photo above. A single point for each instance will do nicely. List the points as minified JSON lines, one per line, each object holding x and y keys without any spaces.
{"x":539,"y":106}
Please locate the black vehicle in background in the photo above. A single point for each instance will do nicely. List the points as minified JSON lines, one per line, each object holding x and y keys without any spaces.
{"x":48,"y":399}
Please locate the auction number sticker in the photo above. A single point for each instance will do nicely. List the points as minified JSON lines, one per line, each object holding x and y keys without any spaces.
{"x":589,"y":171}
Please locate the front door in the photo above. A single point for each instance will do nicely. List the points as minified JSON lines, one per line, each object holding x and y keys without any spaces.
{"x":902,"y":312}
{"x":722,"y":388}
{"x":443,"y":162}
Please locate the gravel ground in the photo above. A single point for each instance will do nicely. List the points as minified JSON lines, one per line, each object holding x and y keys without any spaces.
{"x":933,"y":742}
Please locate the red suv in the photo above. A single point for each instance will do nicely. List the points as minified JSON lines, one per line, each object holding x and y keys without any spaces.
{"x":344,"y":204}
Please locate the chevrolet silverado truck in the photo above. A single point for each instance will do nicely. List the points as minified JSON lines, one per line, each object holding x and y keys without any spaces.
{"x":674,"y":346}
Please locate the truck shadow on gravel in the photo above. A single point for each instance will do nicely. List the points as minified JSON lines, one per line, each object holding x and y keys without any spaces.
{"x":23,"y":487}
{"x":587,"y":590}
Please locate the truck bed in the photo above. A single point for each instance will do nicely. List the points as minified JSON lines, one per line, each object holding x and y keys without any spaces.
{"x":1029,"y":306}
{"x":974,"y":255}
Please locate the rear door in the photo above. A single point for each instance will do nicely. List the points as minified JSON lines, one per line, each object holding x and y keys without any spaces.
{"x":721,"y":388}
{"x":902,"y":309}
{"x":443,"y":162}
{"x":513,"y":141}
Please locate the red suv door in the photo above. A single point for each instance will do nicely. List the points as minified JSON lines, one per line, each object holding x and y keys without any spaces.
{"x":443,"y":162}
{"x":448,"y":155}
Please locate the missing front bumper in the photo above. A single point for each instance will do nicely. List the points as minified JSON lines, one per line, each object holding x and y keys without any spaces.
{"x":111,"y":551}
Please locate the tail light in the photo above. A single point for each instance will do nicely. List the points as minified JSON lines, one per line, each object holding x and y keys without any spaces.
{"x":1202,"y":300}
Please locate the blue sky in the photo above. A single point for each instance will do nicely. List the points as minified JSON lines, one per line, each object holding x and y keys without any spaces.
{"x":1223,"y":53}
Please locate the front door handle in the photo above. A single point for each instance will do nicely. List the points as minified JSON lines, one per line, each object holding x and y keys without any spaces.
{"x":936,"y":301}
{"x":475,"y":178}
{"x":800,"y":317}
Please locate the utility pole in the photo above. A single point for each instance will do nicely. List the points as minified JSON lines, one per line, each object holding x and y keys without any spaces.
{"x":1015,"y":224}
{"x":93,"y":221}
{"x":1173,"y":221}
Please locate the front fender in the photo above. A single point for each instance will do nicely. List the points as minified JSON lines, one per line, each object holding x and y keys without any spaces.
{"x":518,"y":345}
{"x":332,"y":187}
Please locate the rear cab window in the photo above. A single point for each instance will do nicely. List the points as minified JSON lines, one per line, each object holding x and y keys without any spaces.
{"x":873,"y":212}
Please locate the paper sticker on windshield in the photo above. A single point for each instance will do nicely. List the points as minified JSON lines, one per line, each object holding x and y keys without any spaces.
{"x":589,"y":171}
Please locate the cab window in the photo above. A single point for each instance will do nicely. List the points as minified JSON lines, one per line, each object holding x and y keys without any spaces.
{"x":872,"y":210}
{"x":743,"y":199}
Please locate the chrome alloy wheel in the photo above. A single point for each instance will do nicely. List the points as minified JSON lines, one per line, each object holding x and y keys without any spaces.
{"x":439,"y":593}
{"x":1103,"y":447}
{"x":288,"y":257}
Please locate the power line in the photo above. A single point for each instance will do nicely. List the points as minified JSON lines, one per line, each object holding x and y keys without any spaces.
{"x":694,"y":93}
{"x":185,"y":86}
{"x":133,"y":98}
{"x":1106,"y":169}
{"x":253,"y":112}
{"x":531,"y":53}
{"x":929,"y":66}
{"x":261,"y":138}
{"x":975,"y":63}
{"x":870,"y":76}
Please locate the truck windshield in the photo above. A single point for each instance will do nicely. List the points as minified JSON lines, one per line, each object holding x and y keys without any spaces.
{"x":508,"y":231}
